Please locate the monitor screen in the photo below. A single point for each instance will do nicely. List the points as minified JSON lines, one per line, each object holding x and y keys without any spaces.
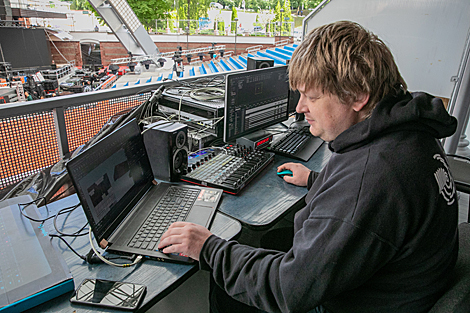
{"x":255,"y":100}
{"x":294,"y":96}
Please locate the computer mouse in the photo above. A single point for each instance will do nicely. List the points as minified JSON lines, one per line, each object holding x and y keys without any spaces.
{"x":284,"y":172}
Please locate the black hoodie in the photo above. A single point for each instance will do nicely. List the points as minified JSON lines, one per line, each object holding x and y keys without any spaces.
{"x":379,"y":232}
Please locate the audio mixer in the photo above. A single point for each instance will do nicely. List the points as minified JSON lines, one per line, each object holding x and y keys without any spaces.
{"x":230,"y":168}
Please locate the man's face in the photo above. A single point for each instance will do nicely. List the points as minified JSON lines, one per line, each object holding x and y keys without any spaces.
{"x":327,"y":116}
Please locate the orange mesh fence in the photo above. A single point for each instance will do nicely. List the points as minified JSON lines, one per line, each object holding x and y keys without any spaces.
{"x":28,"y":143}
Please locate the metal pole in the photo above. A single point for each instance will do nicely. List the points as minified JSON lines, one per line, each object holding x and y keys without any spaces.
{"x":236,"y":30}
{"x":282,"y":10}
{"x":459,"y":106}
{"x":187,"y":38}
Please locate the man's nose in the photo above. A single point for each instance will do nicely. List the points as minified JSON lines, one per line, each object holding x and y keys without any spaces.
{"x":300,"y":108}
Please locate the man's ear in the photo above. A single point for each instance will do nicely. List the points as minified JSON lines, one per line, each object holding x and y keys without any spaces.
{"x":360,"y":102}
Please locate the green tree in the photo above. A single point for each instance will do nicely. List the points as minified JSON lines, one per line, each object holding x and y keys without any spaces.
{"x":79,"y":5}
{"x":311,"y":4}
{"x":146,"y":11}
{"x":149,"y":10}
{"x":258,"y":4}
{"x":226,"y":3}
{"x":234,"y":16}
{"x":287,"y":17}
{"x":255,"y":5}
{"x":277,"y":16}
{"x":221,"y":27}
{"x":197,"y":9}
{"x":270,"y":27}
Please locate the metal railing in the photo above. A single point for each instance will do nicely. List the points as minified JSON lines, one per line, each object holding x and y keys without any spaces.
{"x":282,"y":42}
{"x":35,"y":135}
{"x":254,"y":48}
{"x":108,"y":83}
{"x":166,"y":55}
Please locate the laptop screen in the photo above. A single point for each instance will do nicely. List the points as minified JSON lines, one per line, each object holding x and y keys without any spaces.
{"x":111,"y":177}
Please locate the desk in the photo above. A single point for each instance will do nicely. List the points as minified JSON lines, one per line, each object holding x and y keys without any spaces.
{"x":160,"y":277}
{"x":262,"y":203}
{"x":267,"y":198}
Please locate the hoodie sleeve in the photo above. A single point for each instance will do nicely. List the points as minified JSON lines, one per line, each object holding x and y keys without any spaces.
{"x":311,"y":178}
{"x":320,"y":265}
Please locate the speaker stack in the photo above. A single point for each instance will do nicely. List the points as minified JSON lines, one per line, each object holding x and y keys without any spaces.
{"x":167,"y":148}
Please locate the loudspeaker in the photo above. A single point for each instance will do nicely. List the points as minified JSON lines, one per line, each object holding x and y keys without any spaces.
{"x":167,"y":148}
{"x":258,"y":62}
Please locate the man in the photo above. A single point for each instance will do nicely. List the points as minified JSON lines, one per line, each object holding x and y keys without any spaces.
{"x":87,"y":86}
{"x":28,"y":96}
{"x":379,"y":231}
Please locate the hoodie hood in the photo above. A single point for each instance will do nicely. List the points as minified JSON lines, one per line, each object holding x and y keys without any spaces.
{"x":417,"y":111}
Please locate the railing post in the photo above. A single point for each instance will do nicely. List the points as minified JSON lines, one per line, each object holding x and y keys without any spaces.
{"x":61,"y":132}
{"x":459,"y":106}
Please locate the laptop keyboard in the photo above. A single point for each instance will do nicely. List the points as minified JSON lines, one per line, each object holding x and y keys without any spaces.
{"x":173,"y":206}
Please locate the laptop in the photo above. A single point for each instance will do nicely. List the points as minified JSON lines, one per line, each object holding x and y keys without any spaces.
{"x":121,"y":199}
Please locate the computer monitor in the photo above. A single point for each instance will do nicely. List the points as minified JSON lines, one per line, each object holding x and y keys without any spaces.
{"x":299,"y":121}
{"x":255,"y":100}
{"x":294,"y":96}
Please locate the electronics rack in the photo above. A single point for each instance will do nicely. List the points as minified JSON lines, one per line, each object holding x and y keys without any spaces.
{"x":205,"y":115}
{"x":231,"y":168}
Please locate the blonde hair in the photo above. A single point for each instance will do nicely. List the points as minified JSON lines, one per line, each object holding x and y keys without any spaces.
{"x":346,"y":60}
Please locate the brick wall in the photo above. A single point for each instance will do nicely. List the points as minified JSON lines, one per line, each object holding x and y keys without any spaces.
{"x":111,"y":50}
{"x":66,"y":50}
{"x":114,"y":50}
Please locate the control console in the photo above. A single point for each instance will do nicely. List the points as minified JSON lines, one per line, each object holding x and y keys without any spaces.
{"x":230,"y":168}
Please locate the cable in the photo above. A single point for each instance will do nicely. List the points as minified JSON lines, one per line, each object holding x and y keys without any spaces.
{"x":47,"y":209}
{"x":207,"y":93}
{"x":147,"y":110}
{"x":202,"y":82}
{"x":88,"y":258}
{"x":68,"y":245}
{"x":75,"y":234}
{"x":153,"y":119}
{"x":28,"y":204}
{"x":204,"y":129}
{"x":56,"y":47}
{"x":167,"y":122}
{"x":137,"y":260}
{"x":179,"y":107}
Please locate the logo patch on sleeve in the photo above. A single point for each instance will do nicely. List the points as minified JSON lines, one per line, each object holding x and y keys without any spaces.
{"x":445,"y":181}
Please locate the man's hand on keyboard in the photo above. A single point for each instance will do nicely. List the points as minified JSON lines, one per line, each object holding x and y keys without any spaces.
{"x":299,"y":176}
{"x":185,"y":238}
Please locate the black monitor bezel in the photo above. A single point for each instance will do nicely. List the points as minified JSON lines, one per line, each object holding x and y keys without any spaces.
{"x":227,"y":101}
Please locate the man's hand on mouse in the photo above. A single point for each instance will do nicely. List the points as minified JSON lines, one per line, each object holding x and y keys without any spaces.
{"x":186,"y":238}
{"x":299,"y":176}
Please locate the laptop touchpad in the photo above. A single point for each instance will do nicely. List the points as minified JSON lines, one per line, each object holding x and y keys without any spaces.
{"x":200,"y":215}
